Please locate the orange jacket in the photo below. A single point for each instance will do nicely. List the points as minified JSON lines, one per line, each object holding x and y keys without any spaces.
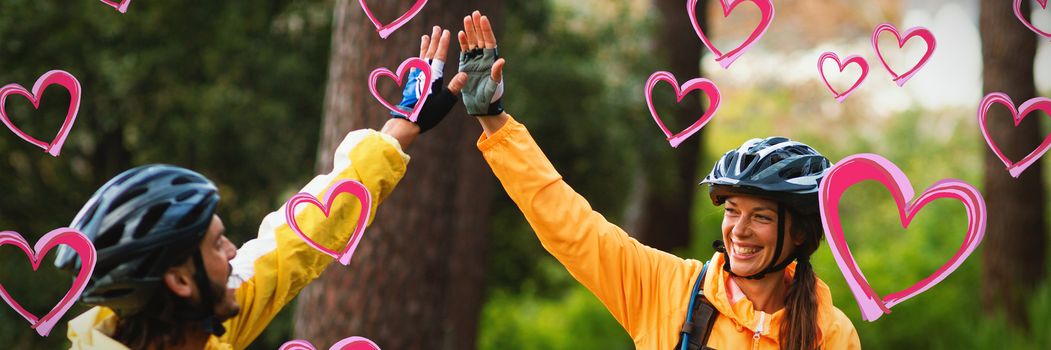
{"x":645,"y":289}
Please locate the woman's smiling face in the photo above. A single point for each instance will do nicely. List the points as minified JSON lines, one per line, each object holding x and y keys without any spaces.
{"x":750,"y":233}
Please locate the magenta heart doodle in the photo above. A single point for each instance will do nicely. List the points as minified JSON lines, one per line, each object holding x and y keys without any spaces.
{"x":840,"y":96}
{"x":862,"y":167}
{"x":1034,"y":104}
{"x":1026,"y":22}
{"x":766,"y":10}
{"x":386,"y":29}
{"x":54,"y":77}
{"x":121,"y":6}
{"x":350,"y":187}
{"x":403,"y":71}
{"x":352,"y":343}
{"x":74,"y":239}
{"x":702,"y":84}
{"x":921,"y":32}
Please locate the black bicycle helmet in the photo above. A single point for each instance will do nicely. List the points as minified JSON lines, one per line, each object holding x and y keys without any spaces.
{"x":776,"y":168}
{"x":141,"y":222}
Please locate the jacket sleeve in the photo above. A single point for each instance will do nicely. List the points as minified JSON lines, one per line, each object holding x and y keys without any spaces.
{"x":277,"y":264}
{"x":645,"y":289}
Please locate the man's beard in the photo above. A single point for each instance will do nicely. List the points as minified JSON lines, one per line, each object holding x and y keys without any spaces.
{"x":219,"y":293}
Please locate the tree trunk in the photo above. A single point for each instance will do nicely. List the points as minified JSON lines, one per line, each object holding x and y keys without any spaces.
{"x":417,"y":276}
{"x":1015,"y":246}
{"x":665,"y":197}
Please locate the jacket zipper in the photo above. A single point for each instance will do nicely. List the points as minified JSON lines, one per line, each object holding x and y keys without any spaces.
{"x":758,"y":330}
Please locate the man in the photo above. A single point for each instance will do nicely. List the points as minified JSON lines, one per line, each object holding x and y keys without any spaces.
{"x":166,"y":275}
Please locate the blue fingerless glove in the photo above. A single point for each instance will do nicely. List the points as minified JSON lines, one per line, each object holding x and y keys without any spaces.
{"x":439,"y":101}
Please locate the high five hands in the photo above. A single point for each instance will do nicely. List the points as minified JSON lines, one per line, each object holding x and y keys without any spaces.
{"x":480,"y":79}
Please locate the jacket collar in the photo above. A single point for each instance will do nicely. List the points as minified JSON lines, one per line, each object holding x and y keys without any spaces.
{"x":94,"y":330}
{"x":723,"y":293}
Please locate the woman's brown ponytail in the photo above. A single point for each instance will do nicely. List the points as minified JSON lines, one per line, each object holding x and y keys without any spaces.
{"x":799,"y":331}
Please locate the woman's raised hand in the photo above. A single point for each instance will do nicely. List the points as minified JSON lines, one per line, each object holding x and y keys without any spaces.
{"x":481,"y":68}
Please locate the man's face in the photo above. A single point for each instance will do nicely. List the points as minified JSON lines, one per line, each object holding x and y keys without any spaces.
{"x":217,"y":251}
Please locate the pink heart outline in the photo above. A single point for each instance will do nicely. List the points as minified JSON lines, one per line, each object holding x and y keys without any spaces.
{"x":702,"y":84}
{"x":121,"y":6}
{"x":74,"y":239}
{"x":766,"y":10}
{"x":1026,"y":22}
{"x":386,"y":30}
{"x":921,"y":32}
{"x":1033,"y":104}
{"x":860,"y":167}
{"x":355,"y":188}
{"x":414,"y":62}
{"x":53,"y":77}
{"x":351,"y":343}
{"x":849,"y":59}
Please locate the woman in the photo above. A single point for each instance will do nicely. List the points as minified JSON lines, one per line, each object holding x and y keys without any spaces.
{"x":760,"y":281}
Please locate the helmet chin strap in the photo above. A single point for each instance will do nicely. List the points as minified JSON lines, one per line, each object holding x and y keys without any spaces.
{"x":774,"y":266}
{"x":206,"y":315}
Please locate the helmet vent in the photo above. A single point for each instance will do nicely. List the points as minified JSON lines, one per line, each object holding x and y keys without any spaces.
{"x":791,"y":172}
{"x":182,"y":180}
{"x":110,"y":237}
{"x":746,"y":160}
{"x":150,"y":219}
{"x":184,"y":196}
{"x":127,"y":196}
{"x":776,"y":157}
{"x":193,"y":215}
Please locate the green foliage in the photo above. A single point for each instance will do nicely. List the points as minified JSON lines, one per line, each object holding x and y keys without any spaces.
{"x":231,"y":89}
{"x":573,"y":320}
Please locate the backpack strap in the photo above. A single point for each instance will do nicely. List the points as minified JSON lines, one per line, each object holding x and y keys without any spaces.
{"x":700,"y":317}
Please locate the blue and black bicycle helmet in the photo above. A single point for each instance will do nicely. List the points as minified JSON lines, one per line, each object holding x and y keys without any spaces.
{"x":775,"y":168}
{"x":141,"y":222}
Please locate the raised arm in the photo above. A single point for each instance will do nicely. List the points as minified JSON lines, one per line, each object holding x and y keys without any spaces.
{"x":642,"y":287}
{"x":277,"y":264}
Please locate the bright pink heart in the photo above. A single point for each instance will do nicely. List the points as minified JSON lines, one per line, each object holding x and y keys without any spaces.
{"x":702,"y":84}
{"x":352,"y":187}
{"x":386,"y":30}
{"x":121,"y":6}
{"x":403,"y":70}
{"x":850,"y":59}
{"x":74,"y":239}
{"x":1034,"y":104}
{"x":55,"y":77}
{"x":1026,"y":22}
{"x":921,"y":32}
{"x":766,"y":10}
{"x":862,"y":167}
{"x":352,"y":343}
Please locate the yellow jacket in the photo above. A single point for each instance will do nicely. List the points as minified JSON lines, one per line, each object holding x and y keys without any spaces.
{"x":645,"y":289}
{"x":278,"y":264}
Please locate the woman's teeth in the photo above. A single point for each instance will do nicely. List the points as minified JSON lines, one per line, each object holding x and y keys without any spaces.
{"x":747,"y":250}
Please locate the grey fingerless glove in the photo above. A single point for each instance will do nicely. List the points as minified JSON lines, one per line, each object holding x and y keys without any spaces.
{"x":481,"y":95}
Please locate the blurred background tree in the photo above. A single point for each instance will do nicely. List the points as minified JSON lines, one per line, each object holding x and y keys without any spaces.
{"x":256,"y":95}
{"x":1016,"y":252}
{"x":417,"y":277}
